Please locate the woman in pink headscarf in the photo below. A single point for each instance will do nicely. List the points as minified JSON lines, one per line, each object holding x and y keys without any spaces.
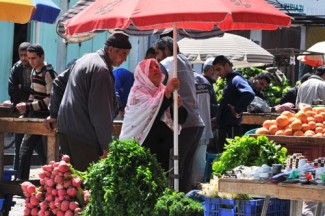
{"x":148,"y":113}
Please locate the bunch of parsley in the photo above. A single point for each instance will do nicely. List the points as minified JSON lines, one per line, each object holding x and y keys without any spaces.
{"x":128,"y":182}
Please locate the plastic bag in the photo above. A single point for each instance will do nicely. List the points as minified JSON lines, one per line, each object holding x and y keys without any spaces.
{"x":258,"y":105}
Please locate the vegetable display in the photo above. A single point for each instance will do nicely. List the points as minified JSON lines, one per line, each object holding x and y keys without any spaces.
{"x":60,"y":192}
{"x":273,"y":92}
{"x":128,"y":182}
{"x":249,"y":151}
{"x":177,"y":204}
{"x":307,"y":122}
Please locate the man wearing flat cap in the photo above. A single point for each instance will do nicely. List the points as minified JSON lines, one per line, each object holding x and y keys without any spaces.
{"x":89,"y":104}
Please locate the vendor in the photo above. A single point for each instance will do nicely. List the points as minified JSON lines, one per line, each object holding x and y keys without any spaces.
{"x":259,"y":83}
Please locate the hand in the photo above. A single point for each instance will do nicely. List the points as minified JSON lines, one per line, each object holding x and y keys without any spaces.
{"x":105,"y":152}
{"x":179,"y":101}
{"x":232,"y":109}
{"x":171,"y":86}
{"x":21,"y":107}
{"x":49,"y":123}
{"x":121,"y":115}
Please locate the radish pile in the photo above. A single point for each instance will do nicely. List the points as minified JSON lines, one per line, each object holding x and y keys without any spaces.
{"x":60,"y":192}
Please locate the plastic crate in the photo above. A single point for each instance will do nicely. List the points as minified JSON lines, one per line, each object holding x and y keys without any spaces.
{"x":251,"y":131}
{"x":224,"y":207}
{"x":8,"y":174}
{"x":1,"y":203}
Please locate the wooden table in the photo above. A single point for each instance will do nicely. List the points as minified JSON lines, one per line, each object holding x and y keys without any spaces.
{"x":294,"y":192}
{"x":26,"y":126}
{"x":258,"y":118}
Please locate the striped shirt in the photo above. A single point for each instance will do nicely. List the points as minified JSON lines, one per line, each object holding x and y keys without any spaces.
{"x":41,"y":89}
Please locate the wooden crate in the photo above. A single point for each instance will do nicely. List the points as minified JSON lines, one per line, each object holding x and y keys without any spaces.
{"x":311,"y":147}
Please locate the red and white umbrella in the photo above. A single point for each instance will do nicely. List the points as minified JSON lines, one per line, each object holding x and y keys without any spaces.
{"x":204,"y":15}
{"x":317,"y":59}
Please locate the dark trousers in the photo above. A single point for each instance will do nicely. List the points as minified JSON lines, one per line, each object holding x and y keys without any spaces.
{"x":188,"y":142}
{"x":81,"y":153}
{"x":18,"y":140}
{"x":29,"y":144}
{"x":227,"y":132}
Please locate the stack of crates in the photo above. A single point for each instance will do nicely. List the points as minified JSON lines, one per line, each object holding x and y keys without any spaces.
{"x":226,"y":207}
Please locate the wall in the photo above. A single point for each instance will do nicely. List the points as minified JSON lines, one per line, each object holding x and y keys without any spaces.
{"x":6,"y":44}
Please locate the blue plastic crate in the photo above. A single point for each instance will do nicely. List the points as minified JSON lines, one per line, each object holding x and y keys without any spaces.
{"x":224,"y":207}
{"x":250,"y":207}
{"x":1,"y":203}
{"x":8,"y":174}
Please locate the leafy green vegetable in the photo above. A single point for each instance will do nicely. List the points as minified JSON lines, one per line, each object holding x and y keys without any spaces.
{"x":128,"y":182}
{"x":249,"y":151}
{"x":177,"y":204}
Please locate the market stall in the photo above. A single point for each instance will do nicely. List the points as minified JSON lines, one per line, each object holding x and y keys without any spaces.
{"x":257,"y":118}
{"x":294,"y":192}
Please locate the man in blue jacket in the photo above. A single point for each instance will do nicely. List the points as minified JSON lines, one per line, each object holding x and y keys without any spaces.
{"x":237,"y":95}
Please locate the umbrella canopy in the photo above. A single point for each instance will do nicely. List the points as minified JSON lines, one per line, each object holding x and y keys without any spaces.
{"x":204,"y":15}
{"x":23,"y":11}
{"x":314,"y":60}
{"x":240,"y":50}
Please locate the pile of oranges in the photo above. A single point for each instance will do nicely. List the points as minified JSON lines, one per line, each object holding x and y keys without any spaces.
{"x":308,"y":122}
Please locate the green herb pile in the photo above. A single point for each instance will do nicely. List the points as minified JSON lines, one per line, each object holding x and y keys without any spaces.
{"x":177,"y":204}
{"x":128,"y":182}
{"x":249,"y":151}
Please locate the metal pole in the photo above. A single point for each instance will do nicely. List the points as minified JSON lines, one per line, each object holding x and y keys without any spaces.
{"x":176,"y":161}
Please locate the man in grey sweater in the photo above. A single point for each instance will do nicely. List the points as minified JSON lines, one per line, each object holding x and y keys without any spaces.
{"x":89,"y":104}
{"x":193,"y":127}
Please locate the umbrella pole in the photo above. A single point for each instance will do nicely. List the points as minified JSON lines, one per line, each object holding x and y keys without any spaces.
{"x":176,"y":161}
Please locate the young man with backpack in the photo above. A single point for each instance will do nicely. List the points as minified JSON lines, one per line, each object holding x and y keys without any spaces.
{"x":42,"y":76}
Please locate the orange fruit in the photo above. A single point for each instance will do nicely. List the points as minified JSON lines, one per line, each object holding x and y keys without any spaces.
{"x":309,"y":133}
{"x":307,"y":108}
{"x":273,"y":129}
{"x":310,"y":113}
{"x":319,"y":130}
{"x":322,"y":114}
{"x":288,"y":132}
{"x":319,"y":110}
{"x":318,"y":118}
{"x":305,"y":127}
{"x":268,"y":123}
{"x":320,"y":125}
{"x":298,"y":133}
{"x":282,"y":121}
{"x":296,"y":125}
{"x":302,"y":116}
{"x":312,"y":125}
{"x":288,"y":114}
{"x":318,"y":135}
{"x":279,"y":133}
{"x":309,"y":119}
{"x":262,"y":131}
{"x":292,"y":119}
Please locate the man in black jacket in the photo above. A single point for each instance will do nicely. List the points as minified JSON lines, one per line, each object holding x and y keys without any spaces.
{"x":19,"y":88}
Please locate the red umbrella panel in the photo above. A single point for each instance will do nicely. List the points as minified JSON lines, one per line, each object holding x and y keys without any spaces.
{"x":196,"y":15}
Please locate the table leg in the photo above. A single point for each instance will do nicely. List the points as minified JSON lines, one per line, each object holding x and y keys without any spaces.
{"x":295,"y":207}
{"x":265,"y":205}
{"x":52,"y":149}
